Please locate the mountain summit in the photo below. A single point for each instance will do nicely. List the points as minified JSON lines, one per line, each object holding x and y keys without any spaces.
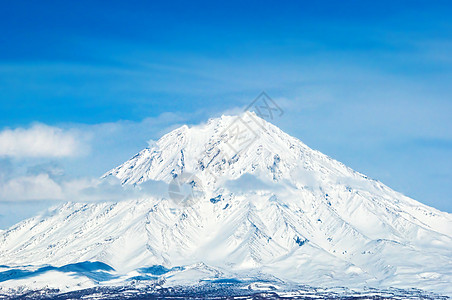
{"x":265,"y":206}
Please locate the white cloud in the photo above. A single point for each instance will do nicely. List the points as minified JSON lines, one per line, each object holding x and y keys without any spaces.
{"x":34,"y":187}
{"x":43,"y":187}
{"x":50,"y":169}
{"x":39,"y":141}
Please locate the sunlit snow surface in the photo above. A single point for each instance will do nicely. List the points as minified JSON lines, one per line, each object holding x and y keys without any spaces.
{"x":270,"y":211}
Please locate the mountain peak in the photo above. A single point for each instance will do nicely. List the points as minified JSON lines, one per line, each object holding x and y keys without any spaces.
{"x":228,"y":147}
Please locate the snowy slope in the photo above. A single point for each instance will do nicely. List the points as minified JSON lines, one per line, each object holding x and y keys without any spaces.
{"x":266,"y":206}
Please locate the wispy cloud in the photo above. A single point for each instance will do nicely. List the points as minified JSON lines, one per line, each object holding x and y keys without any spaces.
{"x":87,"y":189}
{"x":39,"y":140}
{"x":35,"y":187}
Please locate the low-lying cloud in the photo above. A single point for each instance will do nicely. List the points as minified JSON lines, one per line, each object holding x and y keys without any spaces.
{"x":43,"y":187}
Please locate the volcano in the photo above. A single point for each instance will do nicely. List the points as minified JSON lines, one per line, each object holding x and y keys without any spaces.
{"x":246,"y":203}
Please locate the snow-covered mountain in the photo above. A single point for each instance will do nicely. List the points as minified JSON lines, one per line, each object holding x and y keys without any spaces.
{"x":265,"y":206}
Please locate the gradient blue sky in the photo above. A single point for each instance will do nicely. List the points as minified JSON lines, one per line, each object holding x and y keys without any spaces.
{"x":366,"y":82}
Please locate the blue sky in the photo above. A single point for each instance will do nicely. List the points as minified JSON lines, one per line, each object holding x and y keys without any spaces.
{"x":366,"y":82}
